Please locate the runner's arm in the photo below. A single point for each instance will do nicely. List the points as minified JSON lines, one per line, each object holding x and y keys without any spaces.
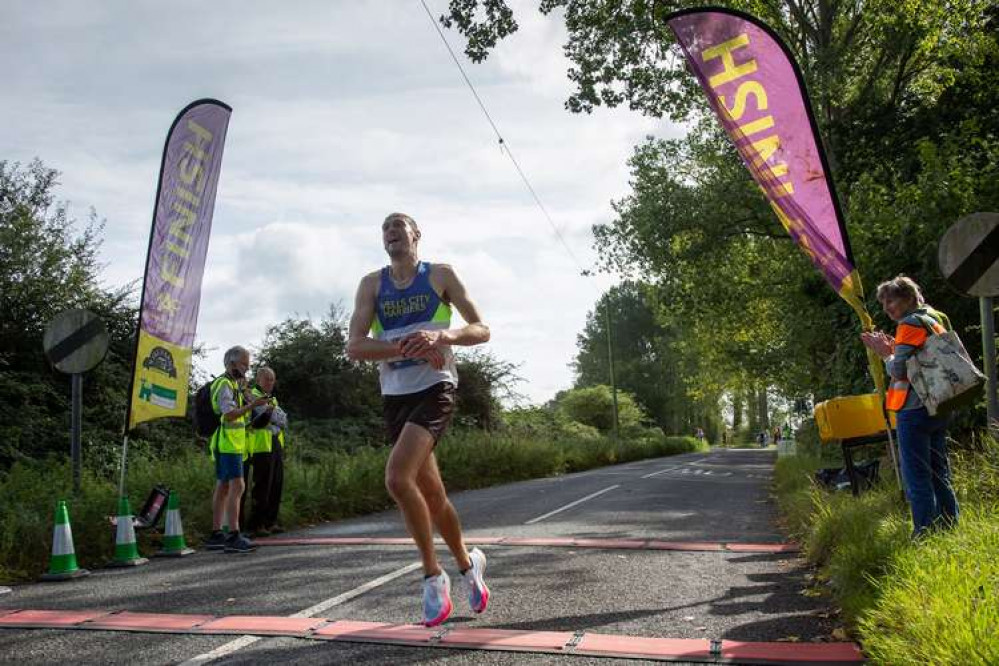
{"x":474,"y":332}
{"x":360,"y":345}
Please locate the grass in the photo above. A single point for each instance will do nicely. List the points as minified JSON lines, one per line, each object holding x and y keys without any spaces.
{"x":938,"y":602}
{"x":935,"y":601}
{"x":322,"y":483}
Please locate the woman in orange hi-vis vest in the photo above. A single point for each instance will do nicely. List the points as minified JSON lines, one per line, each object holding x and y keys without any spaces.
{"x":921,"y":438}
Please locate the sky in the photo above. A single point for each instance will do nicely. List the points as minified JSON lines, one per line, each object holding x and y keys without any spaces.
{"x":343,"y":111}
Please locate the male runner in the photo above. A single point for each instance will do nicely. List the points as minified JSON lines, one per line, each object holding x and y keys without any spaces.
{"x":406,"y":306}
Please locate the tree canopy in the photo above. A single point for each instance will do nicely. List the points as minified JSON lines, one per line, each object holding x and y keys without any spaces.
{"x":907,"y":101}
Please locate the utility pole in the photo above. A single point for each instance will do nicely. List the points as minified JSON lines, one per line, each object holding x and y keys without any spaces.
{"x":610,"y":361}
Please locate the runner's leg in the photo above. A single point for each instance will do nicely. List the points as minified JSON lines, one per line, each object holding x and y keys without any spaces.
{"x":442,"y":512}
{"x":408,"y":456}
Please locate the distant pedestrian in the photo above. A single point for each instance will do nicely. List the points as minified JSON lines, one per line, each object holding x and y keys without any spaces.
{"x":922,"y":439}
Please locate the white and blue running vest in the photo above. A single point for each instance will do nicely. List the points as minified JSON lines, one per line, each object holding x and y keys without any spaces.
{"x":399,"y":312}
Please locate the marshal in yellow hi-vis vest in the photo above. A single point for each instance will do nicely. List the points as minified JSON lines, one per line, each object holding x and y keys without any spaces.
{"x":260,"y":440}
{"x":231,"y":435}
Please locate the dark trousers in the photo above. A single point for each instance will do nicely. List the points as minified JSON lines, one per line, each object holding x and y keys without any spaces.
{"x":263,"y":474}
{"x":922,"y":441}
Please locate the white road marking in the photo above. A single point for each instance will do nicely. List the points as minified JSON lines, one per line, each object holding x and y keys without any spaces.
{"x":311,"y":611}
{"x":570,"y":505}
{"x":662,"y":471}
{"x":688,"y":470}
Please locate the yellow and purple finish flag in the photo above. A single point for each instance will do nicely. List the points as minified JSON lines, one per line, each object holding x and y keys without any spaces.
{"x":178,"y":243}
{"x":758,"y":94}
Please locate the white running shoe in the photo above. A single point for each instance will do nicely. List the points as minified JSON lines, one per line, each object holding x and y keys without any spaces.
{"x":474,"y":579}
{"x":436,"y":599}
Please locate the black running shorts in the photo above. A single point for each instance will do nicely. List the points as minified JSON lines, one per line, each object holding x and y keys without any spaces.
{"x":430,"y":409}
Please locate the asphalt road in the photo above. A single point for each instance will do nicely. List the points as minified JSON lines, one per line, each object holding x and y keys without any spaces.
{"x":717,"y":496}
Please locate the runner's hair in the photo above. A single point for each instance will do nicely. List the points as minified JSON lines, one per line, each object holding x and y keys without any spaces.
{"x":405,"y":218}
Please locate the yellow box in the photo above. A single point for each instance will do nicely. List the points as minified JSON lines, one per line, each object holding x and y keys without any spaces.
{"x":850,"y":416}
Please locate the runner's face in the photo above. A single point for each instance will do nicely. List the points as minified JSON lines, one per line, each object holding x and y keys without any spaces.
{"x":398,"y":237}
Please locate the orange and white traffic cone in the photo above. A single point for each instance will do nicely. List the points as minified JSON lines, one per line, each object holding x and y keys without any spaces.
{"x":63,"y":565}
{"x":126,"y":552}
{"x":173,"y":540}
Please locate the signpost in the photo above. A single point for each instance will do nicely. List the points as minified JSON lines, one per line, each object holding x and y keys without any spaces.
{"x":969,"y":260}
{"x":76,"y":341}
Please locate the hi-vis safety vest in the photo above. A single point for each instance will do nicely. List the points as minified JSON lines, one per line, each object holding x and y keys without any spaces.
{"x":260,"y":441}
{"x":913,"y":335}
{"x":231,"y":435}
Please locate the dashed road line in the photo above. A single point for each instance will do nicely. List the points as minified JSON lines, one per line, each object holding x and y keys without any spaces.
{"x":662,"y":471}
{"x":571,"y":504}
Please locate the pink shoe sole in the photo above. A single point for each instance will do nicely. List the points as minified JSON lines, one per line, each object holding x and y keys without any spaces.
{"x":445,"y":614}
{"x":485,"y":600}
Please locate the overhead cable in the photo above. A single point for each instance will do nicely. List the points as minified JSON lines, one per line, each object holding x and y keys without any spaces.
{"x":504,"y":146}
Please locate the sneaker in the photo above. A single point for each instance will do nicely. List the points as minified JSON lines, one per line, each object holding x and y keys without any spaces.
{"x":238,"y":543}
{"x":215,"y":542}
{"x":475,"y":584}
{"x":436,"y":599}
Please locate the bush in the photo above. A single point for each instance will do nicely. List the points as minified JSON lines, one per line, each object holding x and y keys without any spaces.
{"x":322,"y":482}
{"x":594,"y":406}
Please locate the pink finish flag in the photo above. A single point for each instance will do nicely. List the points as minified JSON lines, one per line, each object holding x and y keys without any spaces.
{"x":175,"y":263}
{"x":758,"y":94}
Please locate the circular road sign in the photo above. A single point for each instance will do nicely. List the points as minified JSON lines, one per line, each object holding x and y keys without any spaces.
{"x":75,"y":341}
{"x":969,"y":254}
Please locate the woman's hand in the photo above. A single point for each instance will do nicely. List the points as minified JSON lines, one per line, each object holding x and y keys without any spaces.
{"x":879,"y":342}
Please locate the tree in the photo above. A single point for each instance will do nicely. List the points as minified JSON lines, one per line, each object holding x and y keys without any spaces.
{"x":48,"y":263}
{"x":853,"y":55}
{"x":647,"y":362}
{"x":906,"y":101}
{"x":484,"y":383}
{"x":594,"y":406}
{"x":316,"y":380}
{"x":46,"y":266}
